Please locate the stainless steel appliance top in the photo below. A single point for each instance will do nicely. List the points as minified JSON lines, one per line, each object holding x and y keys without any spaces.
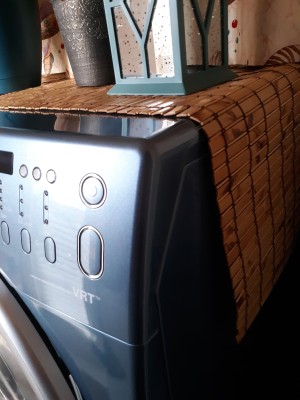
{"x":93,"y":124}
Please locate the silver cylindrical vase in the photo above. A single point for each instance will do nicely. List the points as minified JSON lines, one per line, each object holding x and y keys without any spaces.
{"x":83,"y":29}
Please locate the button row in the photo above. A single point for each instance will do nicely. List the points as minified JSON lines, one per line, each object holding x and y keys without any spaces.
{"x":90,"y":248}
{"x":37,"y":173}
{"x":49,"y":244}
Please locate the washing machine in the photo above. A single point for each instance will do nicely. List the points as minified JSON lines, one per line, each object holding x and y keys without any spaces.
{"x":114,"y":283}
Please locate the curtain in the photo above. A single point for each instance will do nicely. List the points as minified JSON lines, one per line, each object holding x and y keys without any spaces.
{"x":260,"y":32}
{"x":263,"y":32}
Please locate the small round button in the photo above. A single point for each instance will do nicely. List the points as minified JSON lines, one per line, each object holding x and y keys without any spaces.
{"x":92,"y":190}
{"x":51,"y":176}
{"x":23,"y":171}
{"x":36,"y":173}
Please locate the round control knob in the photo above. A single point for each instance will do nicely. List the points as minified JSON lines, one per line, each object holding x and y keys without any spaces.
{"x":92,"y":190}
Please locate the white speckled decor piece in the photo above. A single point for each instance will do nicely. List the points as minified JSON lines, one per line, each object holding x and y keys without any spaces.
{"x":193,"y":37}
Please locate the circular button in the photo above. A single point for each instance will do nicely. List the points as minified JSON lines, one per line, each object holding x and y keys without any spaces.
{"x":51,"y":176}
{"x":36,"y":173}
{"x":23,"y":171}
{"x":92,"y":190}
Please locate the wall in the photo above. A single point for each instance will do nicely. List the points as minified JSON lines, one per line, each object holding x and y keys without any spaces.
{"x":260,"y":32}
{"x":264,"y":31}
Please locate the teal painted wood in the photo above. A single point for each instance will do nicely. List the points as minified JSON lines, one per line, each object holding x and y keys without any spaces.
{"x":20,"y":45}
{"x":124,"y":15}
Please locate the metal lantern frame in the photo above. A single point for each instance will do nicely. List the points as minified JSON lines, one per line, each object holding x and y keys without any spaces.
{"x":184,"y":81}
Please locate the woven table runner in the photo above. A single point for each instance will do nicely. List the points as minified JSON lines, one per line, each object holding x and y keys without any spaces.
{"x":253,"y":126}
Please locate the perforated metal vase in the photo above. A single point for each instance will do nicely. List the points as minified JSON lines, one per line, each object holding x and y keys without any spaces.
{"x":83,"y":29}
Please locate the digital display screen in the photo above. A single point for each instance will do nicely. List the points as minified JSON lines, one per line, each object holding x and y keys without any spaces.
{"x":6,"y":162}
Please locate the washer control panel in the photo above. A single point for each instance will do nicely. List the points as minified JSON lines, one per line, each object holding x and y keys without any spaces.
{"x":67,"y":218}
{"x":78,"y":210}
{"x":91,"y":190}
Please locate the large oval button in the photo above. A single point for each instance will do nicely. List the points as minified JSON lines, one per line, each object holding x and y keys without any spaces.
{"x":26,"y":241}
{"x":50,"y":250}
{"x":90,"y":252}
{"x":5,"y":232}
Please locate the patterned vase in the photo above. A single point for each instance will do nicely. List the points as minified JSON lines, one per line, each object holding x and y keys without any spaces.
{"x":20,"y":45}
{"x":83,"y":29}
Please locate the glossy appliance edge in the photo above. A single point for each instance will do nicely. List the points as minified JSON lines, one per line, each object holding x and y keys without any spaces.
{"x":99,"y":240}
